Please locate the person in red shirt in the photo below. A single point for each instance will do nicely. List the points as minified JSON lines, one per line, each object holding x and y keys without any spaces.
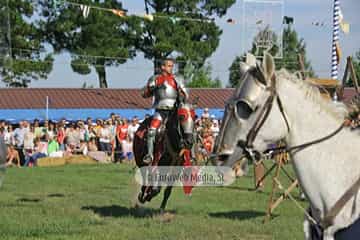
{"x":122,"y":130}
{"x":61,"y":136}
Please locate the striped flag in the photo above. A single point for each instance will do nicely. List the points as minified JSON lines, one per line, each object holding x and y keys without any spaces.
{"x":345,"y":27}
{"x":85,"y":10}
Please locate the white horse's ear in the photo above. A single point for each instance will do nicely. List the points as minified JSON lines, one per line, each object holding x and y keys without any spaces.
{"x":250,"y":60}
{"x":268,"y":66}
{"x":244,"y":67}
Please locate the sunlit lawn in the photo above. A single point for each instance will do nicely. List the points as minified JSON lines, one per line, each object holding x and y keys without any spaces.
{"x":95,"y":202}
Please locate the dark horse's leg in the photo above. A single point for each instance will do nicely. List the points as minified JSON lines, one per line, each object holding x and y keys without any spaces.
{"x":167,"y":193}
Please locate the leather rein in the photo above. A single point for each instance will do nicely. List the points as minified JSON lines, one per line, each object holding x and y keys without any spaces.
{"x":247,"y":147}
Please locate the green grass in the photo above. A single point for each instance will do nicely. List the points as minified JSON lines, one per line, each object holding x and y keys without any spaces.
{"x":95,"y":202}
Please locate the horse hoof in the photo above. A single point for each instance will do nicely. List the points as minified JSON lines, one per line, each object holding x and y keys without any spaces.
{"x":141,"y":198}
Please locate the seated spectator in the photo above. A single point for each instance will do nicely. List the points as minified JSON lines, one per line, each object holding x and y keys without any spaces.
{"x":83,"y":148}
{"x":69,"y":150}
{"x":92,"y":147}
{"x":94,"y":153}
{"x":40,"y":151}
{"x":12,"y":158}
{"x":54,"y":148}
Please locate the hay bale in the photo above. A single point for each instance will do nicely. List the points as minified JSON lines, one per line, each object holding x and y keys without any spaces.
{"x":80,"y":159}
{"x":51,"y":161}
{"x":59,"y":161}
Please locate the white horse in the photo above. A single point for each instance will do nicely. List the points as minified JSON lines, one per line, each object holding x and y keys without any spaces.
{"x":266,"y":108}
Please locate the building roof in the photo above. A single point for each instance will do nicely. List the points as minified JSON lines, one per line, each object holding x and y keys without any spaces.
{"x":348,"y":94}
{"x":62,"y":98}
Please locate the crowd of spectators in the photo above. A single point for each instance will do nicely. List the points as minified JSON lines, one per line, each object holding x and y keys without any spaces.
{"x":109,"y":140}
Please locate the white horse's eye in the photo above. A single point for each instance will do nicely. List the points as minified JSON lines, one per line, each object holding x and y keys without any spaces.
{"x":243,"y":109}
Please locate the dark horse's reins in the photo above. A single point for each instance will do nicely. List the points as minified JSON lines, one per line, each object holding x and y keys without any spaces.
{"x":247,"y":147}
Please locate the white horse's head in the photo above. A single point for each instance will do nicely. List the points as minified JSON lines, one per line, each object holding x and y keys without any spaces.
{"x":253,"y":115}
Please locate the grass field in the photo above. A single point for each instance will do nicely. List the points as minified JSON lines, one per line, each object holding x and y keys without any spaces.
{"x":95,"y":202}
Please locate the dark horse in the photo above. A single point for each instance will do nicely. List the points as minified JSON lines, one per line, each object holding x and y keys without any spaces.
{"x":170,"y":143}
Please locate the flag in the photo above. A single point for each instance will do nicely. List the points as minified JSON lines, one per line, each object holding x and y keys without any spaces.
{"x":288,"y":20}
{"x":120,"y":13}
{"x":85,"y":10}
{"x":191,"y":172}
{"x":345,"y":27}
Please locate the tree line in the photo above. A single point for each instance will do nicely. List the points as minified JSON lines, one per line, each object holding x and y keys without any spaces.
{"x":34,"y":32}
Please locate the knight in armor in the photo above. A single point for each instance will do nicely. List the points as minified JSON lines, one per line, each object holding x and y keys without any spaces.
{"x":168,"y":90}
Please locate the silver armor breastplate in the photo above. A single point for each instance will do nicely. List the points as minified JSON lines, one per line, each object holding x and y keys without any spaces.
{"x":165,"y":96}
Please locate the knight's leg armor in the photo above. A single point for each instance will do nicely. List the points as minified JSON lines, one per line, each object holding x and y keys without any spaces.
{"x":151,"y":137}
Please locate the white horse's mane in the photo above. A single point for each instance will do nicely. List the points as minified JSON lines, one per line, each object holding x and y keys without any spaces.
{"x":311,"y":92}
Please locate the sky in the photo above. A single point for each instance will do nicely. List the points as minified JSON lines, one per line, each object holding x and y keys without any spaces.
{"x":135,"y":73}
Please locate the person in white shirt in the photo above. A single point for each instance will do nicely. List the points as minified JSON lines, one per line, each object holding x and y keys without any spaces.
{"x":205,"y":113}
{"x":215,"y":129}
{"x":133,"y":127}
{"x":105,"y":138}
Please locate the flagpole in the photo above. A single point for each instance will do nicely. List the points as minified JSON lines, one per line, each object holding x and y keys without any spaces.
{"x":47,"y":108}
{"x":336,"y":28}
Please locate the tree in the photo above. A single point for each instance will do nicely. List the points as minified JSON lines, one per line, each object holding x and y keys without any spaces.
{"x":100,"y":40}
{"x":200,"y":77}
{"x":22,"y":55}
{"x":182,"y":28}
{"x":261,"y":42}
{"x":234,"y":72}
{"x":292,"y":47}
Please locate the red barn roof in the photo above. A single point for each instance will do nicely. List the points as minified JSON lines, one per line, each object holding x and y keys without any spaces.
{"x":24,"y":98}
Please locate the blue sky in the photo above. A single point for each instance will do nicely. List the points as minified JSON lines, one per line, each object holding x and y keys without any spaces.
{"x":134,"y":74}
